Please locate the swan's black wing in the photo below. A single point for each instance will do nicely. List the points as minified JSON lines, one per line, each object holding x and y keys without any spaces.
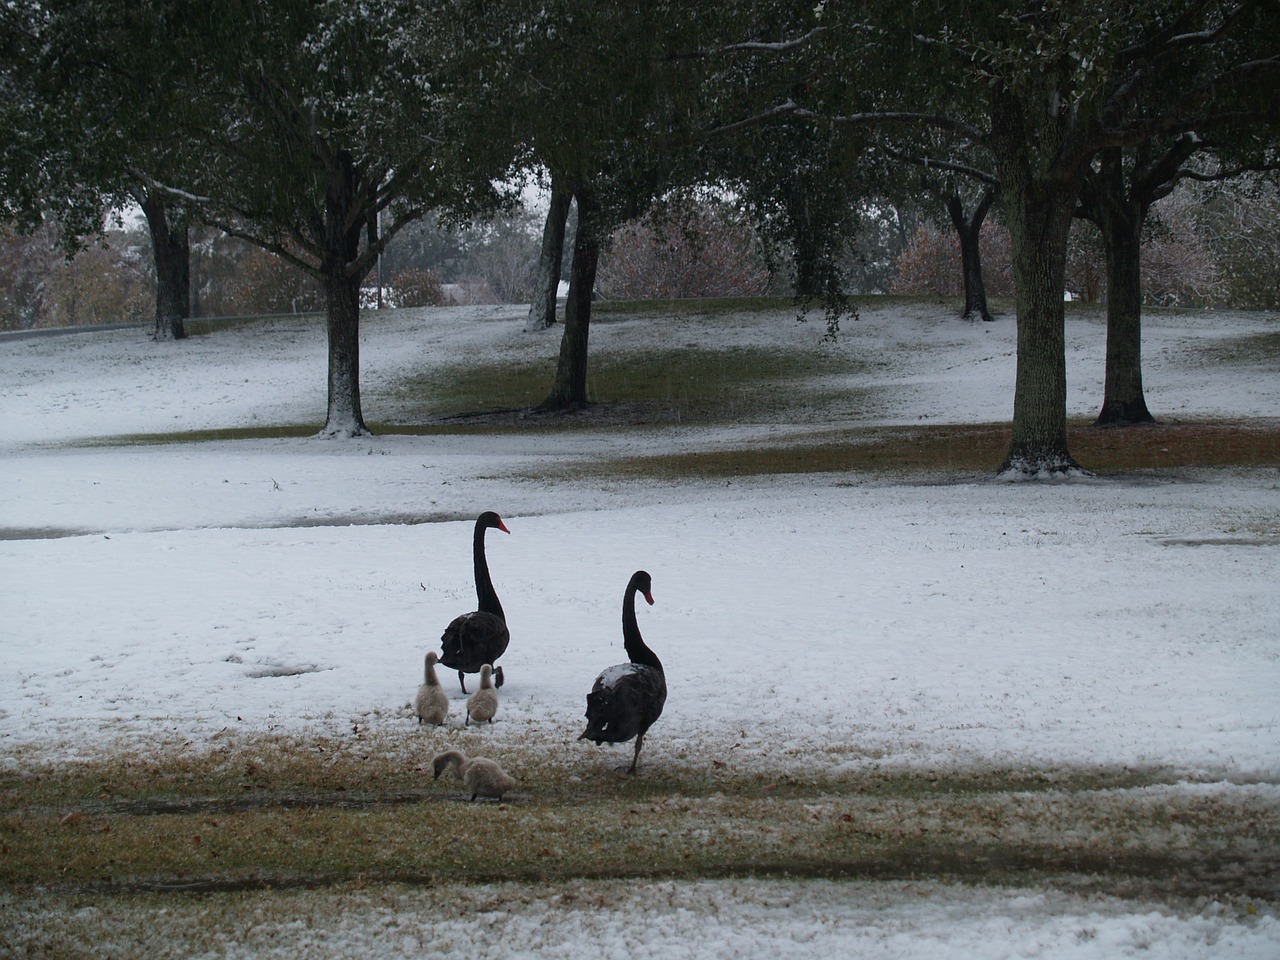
{"x":624,"y":702}
{"x":472,"y":640}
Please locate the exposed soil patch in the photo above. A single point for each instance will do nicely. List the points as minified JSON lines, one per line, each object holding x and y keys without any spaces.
{"x":972,"y":450}
{"x":288,"y":814}
{"x":40,"y":533}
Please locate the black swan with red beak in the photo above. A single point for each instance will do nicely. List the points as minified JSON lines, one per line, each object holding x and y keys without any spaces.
{"x":479,"y":637}
{"x":627,"y":698}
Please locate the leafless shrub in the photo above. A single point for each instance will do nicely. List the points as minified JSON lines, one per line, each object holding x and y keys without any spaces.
{"x":110,"y":280}
{"x":470,"y":290}
{"x":417,"y":287}
{"x":703,"y":250}
{"x":504,"y":262}
{"x":1240,"y":222}
{"x":1086,"y":272}
{"x":1177,"y":261}
{"x":25,"y":261}
{"x":233,"y":278}
{"x":931,"y":263}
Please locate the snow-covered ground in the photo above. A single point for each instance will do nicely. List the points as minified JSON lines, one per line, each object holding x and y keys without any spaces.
{"x":189,"y":589}
{"x":703,"y":920}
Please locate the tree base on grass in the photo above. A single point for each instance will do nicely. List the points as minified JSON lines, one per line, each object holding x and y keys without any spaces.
{"x":1120,"y":414}
{"x":344,"y":430}
{"x":1046,"y":463}
{"x":559,"y":404}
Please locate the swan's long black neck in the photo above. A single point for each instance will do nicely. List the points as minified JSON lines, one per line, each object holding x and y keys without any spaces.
{"x":632,"y":642}
{"x":485,"y":594}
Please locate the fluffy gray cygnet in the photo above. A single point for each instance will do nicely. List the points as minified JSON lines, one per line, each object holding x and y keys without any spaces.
{"x":483,"y":704}
{"x":432,"y":703}
{"x":483,"y":777}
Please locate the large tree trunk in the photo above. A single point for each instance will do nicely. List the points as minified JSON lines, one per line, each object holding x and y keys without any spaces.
{"x":542,"y":311}
{"x":171,"y":250}
{"x":1039,"y":206}
{"x":1039,"y":230}
{"x":1120,"y":217}
{"x":1124,"y":403}
{"x":342,"y":233}
{"x":969,"y":229}
{"x":569,"y":391}
{"x":342,"y":302}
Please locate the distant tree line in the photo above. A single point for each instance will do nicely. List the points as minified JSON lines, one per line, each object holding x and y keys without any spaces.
{"x":1205,"y":245}
{"x":1202,"y":246}
{"x":710,"y":251}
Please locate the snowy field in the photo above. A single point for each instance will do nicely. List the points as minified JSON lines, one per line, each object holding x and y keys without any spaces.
{"x":187,"y":591}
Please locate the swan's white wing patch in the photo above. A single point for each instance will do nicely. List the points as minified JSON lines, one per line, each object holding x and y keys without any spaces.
{"x":613,"y":674}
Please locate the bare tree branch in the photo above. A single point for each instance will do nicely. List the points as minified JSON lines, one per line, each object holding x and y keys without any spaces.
{"x":271,"y":246}
{"x":937,"y":121}
{"x":764,"y":46}
{"x":947,"y":166}
{"x":173,"y":193}
{"x":789,"y":108}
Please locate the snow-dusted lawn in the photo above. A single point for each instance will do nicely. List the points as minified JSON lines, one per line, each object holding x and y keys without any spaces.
{"x":272,"y":585}
{"x":705,"y":920}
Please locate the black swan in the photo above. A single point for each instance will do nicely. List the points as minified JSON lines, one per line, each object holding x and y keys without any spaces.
{"x":627,"y":698}
{"x":479,"y":637}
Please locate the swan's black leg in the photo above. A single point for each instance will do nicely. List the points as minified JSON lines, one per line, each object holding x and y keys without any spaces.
{"x":462,"y":681}
{"x":497,"y":676}
{"x":636,"y":757}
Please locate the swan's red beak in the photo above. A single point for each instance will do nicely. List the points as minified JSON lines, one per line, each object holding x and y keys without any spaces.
{"x":648,"y":596}
{"x":502,"y":526}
